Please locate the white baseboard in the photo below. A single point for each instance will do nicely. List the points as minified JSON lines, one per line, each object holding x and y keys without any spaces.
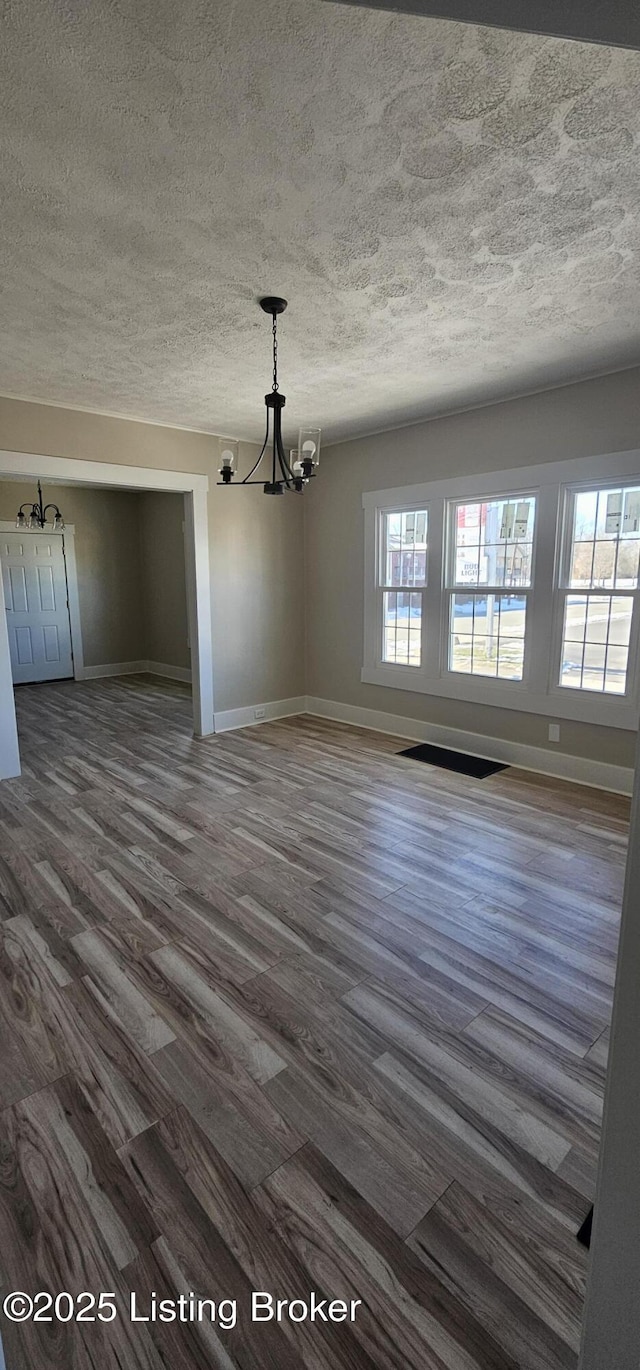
{"x":169,"y":672}
{"x":133,"y":668}
{"x":584,"y":771}
{"x":600,"y":774}
{"x":111,"y":668}
{"x":243,"y":718}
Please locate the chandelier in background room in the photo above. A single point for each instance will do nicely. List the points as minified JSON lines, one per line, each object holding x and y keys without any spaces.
{"x":37,"y":516}
{"x":286,"y":473}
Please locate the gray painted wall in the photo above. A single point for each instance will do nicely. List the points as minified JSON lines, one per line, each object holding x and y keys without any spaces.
{"x":261,"y":605}
{"x":163,"y":580}
{"x":594,"y":417}
{"x":256,"y":543}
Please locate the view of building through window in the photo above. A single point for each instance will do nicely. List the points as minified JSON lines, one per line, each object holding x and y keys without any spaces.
{"x":493,"y":548}
{"x":404,"y":569}
{"x":537,"y":587}
{"x":604,"y":556}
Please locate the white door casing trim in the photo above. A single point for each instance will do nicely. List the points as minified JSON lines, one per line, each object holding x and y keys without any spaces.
{"x":194,"y":487}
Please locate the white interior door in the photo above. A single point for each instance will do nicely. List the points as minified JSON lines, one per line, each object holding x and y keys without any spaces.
{"x":35,"y":596}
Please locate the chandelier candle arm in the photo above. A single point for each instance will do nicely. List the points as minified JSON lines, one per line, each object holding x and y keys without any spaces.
{"x":285,"y":474}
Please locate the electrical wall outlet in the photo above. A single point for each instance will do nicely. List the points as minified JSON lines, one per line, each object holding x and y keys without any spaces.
{"x":554,"y":732}
{"x":258,"y":713}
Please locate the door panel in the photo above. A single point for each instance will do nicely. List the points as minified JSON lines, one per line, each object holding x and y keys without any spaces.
{"x":17,"y":589}
{"x":35,"y":592}
{"x":24,"y":646}
{"x":46,"y":589}
{"x":51,"y":642}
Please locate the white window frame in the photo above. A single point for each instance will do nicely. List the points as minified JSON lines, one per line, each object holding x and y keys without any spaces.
{"x":552,"y":484}
{"x":451,"y":587}
{"x":563,"y":588}
{"x":382,"y":588}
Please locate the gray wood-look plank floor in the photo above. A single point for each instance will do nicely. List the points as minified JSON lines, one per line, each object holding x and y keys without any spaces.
{"x":285,"y":1010}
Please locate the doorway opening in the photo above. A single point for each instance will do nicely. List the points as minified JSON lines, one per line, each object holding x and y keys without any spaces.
{"x":43,"y":636}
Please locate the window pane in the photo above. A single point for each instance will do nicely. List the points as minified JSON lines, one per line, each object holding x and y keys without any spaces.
{"x":593,"y":564}
{"x":595,"y":646}
{"x":627,"y":568}
{"x":494,"y":542}
{"x":585,"y":518}
{"x":487,"y":635}
{"x":405,"y":548}
{"x":605,"y":541}
{"x":402,"y":628}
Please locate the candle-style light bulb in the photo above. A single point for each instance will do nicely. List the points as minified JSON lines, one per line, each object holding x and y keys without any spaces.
{"x":309,"y":450}
{"x":228,"y":459}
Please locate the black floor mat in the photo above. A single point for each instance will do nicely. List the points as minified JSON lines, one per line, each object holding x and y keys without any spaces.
{"x":476,"y":766}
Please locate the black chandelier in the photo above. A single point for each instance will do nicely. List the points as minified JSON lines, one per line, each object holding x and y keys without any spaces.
{"x":37,"y":516}
{"x":291,"y":473}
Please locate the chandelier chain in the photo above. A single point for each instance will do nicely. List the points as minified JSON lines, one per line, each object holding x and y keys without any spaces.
{"x":275,"y":351}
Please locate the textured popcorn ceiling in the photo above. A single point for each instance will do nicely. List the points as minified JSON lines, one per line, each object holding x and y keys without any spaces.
{"x":451,"y":211}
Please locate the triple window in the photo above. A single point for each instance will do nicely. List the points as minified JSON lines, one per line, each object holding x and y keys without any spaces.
{"x":466,"y":600}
